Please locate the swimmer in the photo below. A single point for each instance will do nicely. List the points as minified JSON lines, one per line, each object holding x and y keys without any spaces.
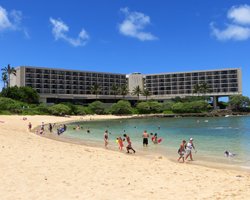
{"x":229,"y":154}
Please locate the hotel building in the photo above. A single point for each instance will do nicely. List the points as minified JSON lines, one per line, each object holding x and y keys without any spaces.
{"x":57,"y":85}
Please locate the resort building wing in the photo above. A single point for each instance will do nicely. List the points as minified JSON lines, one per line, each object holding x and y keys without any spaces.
{"x":57,"y":85}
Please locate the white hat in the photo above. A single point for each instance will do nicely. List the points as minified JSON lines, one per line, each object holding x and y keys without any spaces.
{"x":191,"y":139}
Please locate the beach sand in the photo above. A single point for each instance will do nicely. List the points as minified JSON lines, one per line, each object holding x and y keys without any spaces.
{"x":34,"y":167}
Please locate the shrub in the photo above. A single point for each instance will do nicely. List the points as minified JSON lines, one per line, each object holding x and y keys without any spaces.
{"x":59,"y":109}
{"x":143,"y":108}
{"x":121,"y":107}
{"x":167,"y":105}
{"x":97,"y":107}
{"x":11,"y":105}
{"x":239,"y":103}
{"x":82,"y":110}
{"x":155,"y":107}
{"x":191,"y":107}
{"x":42,"y":109}
{"x":149,"y":107}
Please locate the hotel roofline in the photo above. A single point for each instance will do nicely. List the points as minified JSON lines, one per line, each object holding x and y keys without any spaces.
{"x":195,"y":71}
{"x":70,"y":70}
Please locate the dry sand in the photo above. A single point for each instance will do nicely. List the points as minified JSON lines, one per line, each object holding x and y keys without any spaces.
{"x":34,"y":168}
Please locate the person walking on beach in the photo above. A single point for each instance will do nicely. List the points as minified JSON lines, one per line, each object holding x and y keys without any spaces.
{"x":106,"y":136}
{"x":29,"y":126}
{"x":50,"y":128}
{"x":145,"y":137}
{"x":129,"y":143}
{"x":42,"y":127}
{"x":189,"y":148}
{"x":182,"y":150}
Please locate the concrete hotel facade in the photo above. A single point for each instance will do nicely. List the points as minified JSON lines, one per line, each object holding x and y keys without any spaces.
{"x":59,"y":84}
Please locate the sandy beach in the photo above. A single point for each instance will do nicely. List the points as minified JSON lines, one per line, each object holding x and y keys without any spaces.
{"x":34,"y":167}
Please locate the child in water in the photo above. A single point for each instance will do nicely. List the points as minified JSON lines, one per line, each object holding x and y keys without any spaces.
{"x":120,"y":143}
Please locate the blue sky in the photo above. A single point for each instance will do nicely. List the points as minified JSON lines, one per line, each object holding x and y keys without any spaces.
{"x":147,"y":36}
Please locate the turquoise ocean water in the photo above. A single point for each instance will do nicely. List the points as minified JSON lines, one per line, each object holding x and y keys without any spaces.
{"x":212,"y":136}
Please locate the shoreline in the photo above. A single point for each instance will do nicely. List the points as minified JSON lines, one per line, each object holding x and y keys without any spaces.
{"x":34,"y":167}
{"x":96,"y":144}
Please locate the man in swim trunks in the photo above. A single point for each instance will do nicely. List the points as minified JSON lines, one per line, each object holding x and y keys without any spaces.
{"x":182,"y":150}
{"x":129,"y":143}
{"x":145,"y":137}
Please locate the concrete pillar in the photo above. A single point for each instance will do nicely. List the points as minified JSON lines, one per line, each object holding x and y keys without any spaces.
{"x":215,"y":102}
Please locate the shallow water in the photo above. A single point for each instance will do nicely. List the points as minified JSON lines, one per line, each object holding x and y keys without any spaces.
{"x":212,"y":136}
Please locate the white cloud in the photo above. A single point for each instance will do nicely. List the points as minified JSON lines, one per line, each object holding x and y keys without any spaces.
{"x":60,"y":30}
{"x":12,"y":21}
{"x":4,"y":20}
{"x":134,"y":25}
{"x":240,"y":14}
{"x":238,"y":28}
{"x":232,"y":32}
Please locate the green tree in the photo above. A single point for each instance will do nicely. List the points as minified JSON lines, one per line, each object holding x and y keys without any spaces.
{"x":115,"y":90}
{"x":95,"y":89}
{"x":60,"y":110}
{"x":7,"y":71}
{"x":124,"y":90}
{"x":204,"y":88}
{"x":121,"y":108}
{"x":191,"y":107}
{"x":137,"y":91}
{"x":146,"y":93}
{"x":97,"y":107}
{"x":239,"y":103}
{"x":149,"y":107}
{"x":82,"y":110}
{"x":24,"y":94}
{"x":201,"y":88}
{"x":196,"y":89}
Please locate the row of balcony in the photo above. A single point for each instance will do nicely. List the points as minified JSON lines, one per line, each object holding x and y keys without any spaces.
{"x":63,"y":73}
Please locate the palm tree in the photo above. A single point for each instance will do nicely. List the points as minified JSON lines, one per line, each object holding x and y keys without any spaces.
{"x":146,"y":93}
{"x":137,"y":91}
{"x":5,"y":79}
{"x":95,"y":89}
{"x":115,"y":90}
{"x":124,"y":90}
{"x":201,"y":88}
{"x":7,"y":71}
{"x":196,"y":89}
{"x":204,"y":88}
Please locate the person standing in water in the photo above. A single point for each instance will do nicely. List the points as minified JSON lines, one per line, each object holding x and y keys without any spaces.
{"x":129,"y":143}
{"x":182,"y":150}
{"x":190,"y":147}
{"x":120,"y":143}
{"x":106,"y":136}
{"x":145,"y":137}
